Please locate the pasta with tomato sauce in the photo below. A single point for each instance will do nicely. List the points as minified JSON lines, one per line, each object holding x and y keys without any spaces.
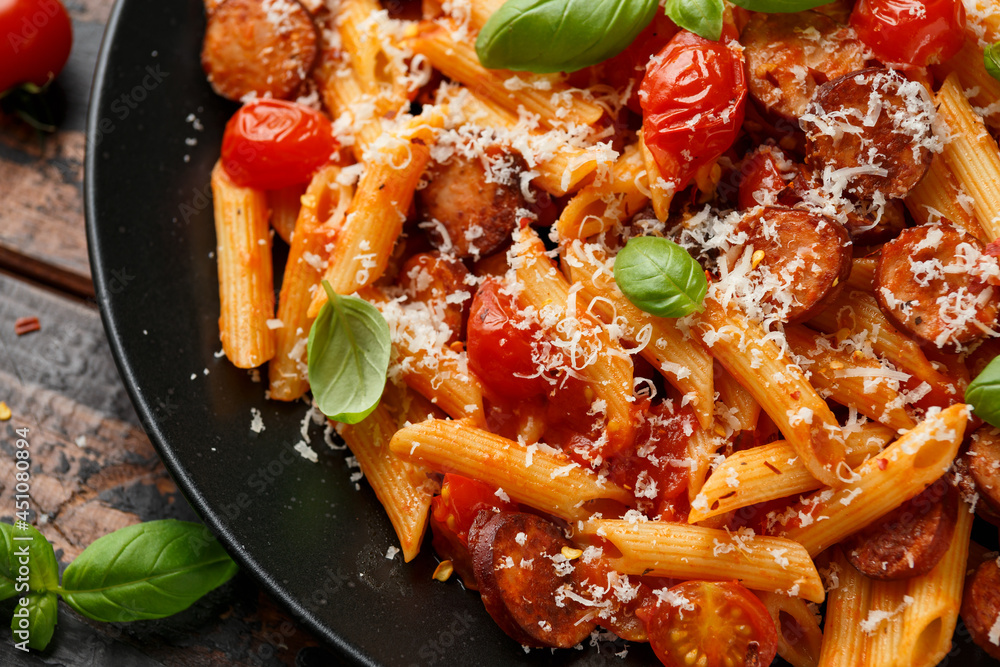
{"x":678,"y":330}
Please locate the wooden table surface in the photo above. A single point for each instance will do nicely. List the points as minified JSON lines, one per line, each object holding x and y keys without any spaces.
{"x":93,"y":468}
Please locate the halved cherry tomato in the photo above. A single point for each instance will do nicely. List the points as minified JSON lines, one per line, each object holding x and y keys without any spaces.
{"x":719,"y":631}
{"x":693,"y":99}
{"x":500,"y":347}
{"x":37,"y":36}
{"x":271,"y":144}
{"x":461,"y":500}
{"x":655,"y":468}
{"x":913,"y":32}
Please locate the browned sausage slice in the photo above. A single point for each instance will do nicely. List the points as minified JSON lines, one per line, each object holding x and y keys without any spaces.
{"x":981,"y":606}
{"x":875,"y":126}
{"x":266,"y":47}
{"x":789,"y":55}
{"x":527,"y":585}
{"x":799,"y":259}
{"x":477,"y":212}
{"x":440,"y":282}
{"x":910,"y":540}
{"x":984,"y":464}
{"x":934,"y":282}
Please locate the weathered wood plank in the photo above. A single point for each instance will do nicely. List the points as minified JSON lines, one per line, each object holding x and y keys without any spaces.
{"x":92,"y":471}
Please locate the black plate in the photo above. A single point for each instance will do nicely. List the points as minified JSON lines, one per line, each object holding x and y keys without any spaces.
{"x":315,"y":539}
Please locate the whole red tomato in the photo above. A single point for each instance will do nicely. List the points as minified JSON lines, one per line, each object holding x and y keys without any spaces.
{"x":692,"y":99}
{"x":36,"y":39}
{"x":271,"y":144}
{"x":913,"y":32}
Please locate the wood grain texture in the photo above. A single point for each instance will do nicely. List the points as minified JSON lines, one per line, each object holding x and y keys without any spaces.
{"x":93,"y":471}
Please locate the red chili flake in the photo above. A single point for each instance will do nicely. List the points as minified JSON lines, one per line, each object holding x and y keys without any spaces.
{"x":25,"y":325}
{"x":773,"y":469}
{"x":796,"y":395}
{"x":883,"y":464}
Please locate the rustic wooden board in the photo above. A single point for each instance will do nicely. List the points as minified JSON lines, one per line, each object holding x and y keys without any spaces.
{"x":93,"y":471}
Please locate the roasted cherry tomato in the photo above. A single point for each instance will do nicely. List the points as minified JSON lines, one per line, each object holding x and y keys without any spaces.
{"x":692,"y":100}
{"x":461,"y":500}
{"x":271,"y":144}
{"x":37,"y":36}
{"x":500,"y":346}
{"x":656,"y":469}
{"x":912,"y":32}
{"x":725,"y":621}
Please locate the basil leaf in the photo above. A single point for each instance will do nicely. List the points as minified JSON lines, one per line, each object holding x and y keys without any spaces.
{"x":149,"y":570}
{"x":984,"y":393}
{"x":660,"y":277}
{"x":702,"y":17}
{"x":779,"y":6}
{"x":991,"y":58}
{"x":560,"y":35}
{"x":35,"y":622}
{"x":31,"y":548}
{"x":349,"y":348}
{"x":6,"y":571}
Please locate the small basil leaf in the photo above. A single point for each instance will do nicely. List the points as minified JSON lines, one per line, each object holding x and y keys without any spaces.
{"x":29,"y":547}
{"x":35,"y":621}
{"x":7,"y":573}
{"x":660,"y":277}
{"x":349,"y":347}
{"x":702,"y":17}
{"x":149,"y":570}
{"x":560,"y":35}
{"x":779,"y":6}
{"x":983,"y":394}
{"x":991,"y":58}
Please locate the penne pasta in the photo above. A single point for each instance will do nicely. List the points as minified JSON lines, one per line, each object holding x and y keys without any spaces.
{"x":799,"y":636}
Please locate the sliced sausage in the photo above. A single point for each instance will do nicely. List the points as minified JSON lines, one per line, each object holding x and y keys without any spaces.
{"x":910,"y":540}
{"x":263,"y":47}
{"x":789,"y":55}
{"x":934,"y":282}
{"x":441,"y":282}
{"x":981,"y":605}
{"x":527,"y":585}
{"x":799,"y":259}
{"x":984,"y":465}
{"x":472,"y":212}
{"x":874,"y":124}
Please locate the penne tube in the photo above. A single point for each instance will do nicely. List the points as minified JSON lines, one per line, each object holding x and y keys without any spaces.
{"x":555,"y":103}
{"x":599,"y":207}
{"x":661,"y":192}
{"x":850,"y":378}
{"x":378,"y":209}
{"x":246,"y":284}
{"x":938,"y":195}
{"x":701,"y":450}
{"x":844,"y":642}
{"x":324,"y":207}
{"x":404,"y":488}
{"x":773,"y":471}
{"x":970,"y":69}
{"x":799,"y":636}
{"x":680,"y":358}
{"x":543,"y":478}
{"x":284,"y":205}
{"x":742,"y":410}
{"x":778,"y":385}
{"x":665,"y":549}
{"x":972,"y":155}
{"x":883,"y":483}
{"x":586,"y":345}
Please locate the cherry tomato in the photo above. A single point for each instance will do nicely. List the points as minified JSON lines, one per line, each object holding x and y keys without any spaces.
{"x":693,"y":98}
{"x":37,"y":36}
{"x":725,"y":620}
{"x":913,"y":32}
{"x":461,"y":500}
{"x":500,"y":347}
{"x":655,"y":468}
{"x":271,"y":144}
